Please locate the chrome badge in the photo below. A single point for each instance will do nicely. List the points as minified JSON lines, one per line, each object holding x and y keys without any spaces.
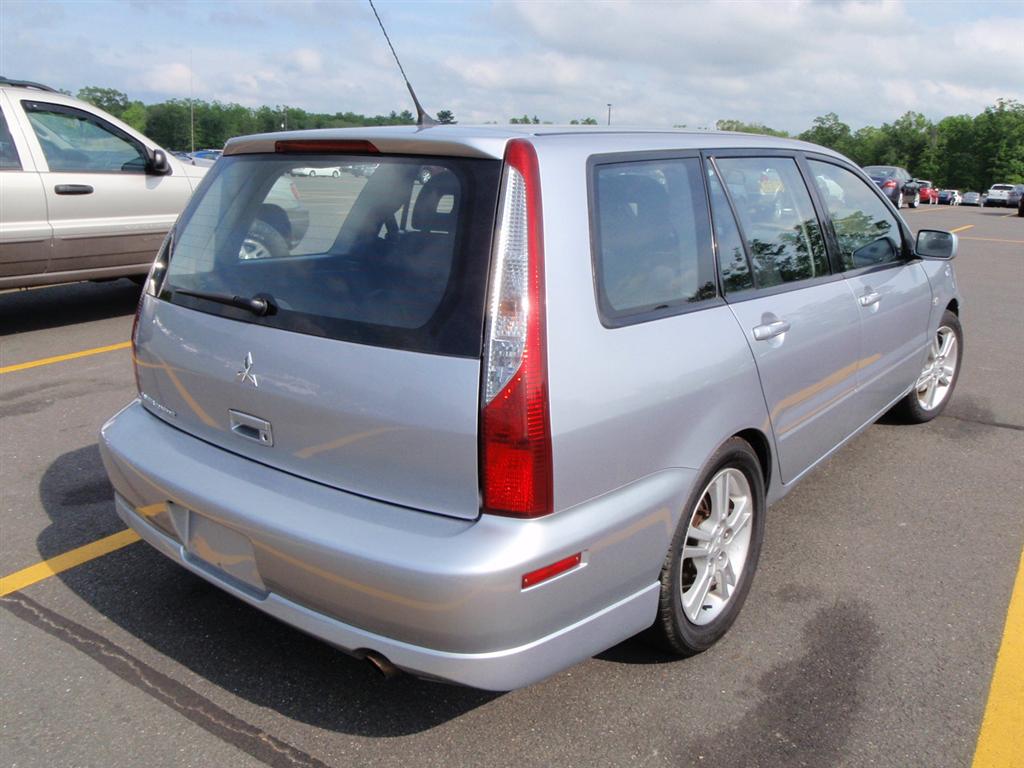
{"x":246,"y":373}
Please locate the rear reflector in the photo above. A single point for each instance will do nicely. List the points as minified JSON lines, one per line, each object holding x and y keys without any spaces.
{"x":534,"y":578}
{"x":318,"y":146}
{"x":515,"y":426}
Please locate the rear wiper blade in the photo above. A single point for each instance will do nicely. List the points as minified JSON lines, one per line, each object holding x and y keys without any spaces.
{"x":258,"y":305}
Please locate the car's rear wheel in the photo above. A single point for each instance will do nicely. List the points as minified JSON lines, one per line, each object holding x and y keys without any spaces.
{"x":935,"y":383}
{"x":263,"y":241}
{"x":710,"y":564}
{"x":916,"y":201}
{"x":335,"y":173}
{"x":899,"y":200}
{"x":312,"y":172}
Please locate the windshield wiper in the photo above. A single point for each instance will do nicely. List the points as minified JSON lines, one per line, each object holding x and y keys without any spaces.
{"x":258,"y":305}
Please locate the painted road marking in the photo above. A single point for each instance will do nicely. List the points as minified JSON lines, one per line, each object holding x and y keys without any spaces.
{"x":1001,"y":741}
{"x":961,"y":229}
{"x":62,"y":358}
{"x":44,"y":570}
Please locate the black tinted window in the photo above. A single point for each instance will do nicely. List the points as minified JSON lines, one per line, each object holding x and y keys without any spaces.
{"x":866,"y":231}
{"x":8,"y":152}
{"x":732,"y":258}
{"x":782,"y":231}
{"x":653,"y":237}
{"x":391,"y":251}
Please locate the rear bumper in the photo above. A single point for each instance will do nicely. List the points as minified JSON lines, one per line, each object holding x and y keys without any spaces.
{"x":439,"y":597}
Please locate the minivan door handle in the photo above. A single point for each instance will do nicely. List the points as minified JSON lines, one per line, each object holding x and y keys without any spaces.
{"x":770,"y":330}
{"x":870,"y":298}
{"x":73,"y":189}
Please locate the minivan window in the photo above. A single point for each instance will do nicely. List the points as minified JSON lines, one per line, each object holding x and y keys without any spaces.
{"x":9,"y":160}
{"x":392,"y":252}
{"x":73,"y":140}
{"x":653,"y":238}
{"x":866,"y":231}
{"x":782,"y":231}
{"x":732,"y":258}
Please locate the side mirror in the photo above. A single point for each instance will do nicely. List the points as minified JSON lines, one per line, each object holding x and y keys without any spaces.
{"x":936,"y":244}
{"x":158,"y":165}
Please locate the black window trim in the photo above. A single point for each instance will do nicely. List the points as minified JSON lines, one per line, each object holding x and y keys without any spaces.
{"x":756,"y":292}
{"x":674,"y":308}
{"x":17,"y":155}
{"x":835,"y":252}
{"x":63,"y":109}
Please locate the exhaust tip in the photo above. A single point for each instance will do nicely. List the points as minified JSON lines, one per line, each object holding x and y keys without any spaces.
{"x":388,"y":670}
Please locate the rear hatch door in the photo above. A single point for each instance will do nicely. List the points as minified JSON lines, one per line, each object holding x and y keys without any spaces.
{"x":338,"y":337}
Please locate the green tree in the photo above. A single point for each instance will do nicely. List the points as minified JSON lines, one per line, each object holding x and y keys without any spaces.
{"x":829,"y":131}
{"x":740,"y":126}
{"x":108,"y":99}
{"x":135,"y":116}
{"x":584,"y":121}
{"x":445,"y":117}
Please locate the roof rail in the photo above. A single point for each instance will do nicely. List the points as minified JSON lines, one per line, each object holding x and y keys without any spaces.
{"x":26,"y":84}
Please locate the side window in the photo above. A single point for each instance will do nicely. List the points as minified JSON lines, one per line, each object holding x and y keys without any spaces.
{"x":653,"y":249}
{"x":74,"y":140}
{"x":867,"y":232}
{"x":778,"y":219}
{"x":732,"y":258}
{"x":9,"y":160}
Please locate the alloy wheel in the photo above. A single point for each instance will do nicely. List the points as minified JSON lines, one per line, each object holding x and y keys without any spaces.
{"x":936,"y":379}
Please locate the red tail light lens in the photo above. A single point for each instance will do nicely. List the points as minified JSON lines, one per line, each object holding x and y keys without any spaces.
{"x":515,"y":431}
{"x":890,"y":184}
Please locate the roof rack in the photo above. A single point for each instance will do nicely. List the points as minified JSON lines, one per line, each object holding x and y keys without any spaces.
{"x":26,"y":84}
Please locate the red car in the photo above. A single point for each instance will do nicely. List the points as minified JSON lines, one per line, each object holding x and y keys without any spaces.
{"x":929,"y":194}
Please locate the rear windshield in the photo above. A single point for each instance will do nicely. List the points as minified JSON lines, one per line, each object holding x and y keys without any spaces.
{"x":879,"y":171}
{"x":384,"y":250}
{"x":1002,"y":186}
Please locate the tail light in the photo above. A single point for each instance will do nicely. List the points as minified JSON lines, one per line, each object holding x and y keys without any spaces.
{"x":515,"y":424}
{"x":150,"y":288}
{"x":890,"y":184}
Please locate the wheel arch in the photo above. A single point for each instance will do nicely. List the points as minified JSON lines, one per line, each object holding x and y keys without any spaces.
{"x":954,"y":307}
{"x":759,"y":442}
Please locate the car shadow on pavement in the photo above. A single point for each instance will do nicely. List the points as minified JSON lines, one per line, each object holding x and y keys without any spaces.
{"x":219,"y":638}
{"x":60,"y":305}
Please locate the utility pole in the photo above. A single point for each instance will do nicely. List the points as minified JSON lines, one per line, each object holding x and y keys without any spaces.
{"x":609,"y":114}
{"x":191,"y":104}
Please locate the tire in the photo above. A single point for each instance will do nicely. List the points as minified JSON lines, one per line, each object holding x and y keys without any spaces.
{"x":675,"y":628}
{"x":916,"y":201}
{"x":335,"y":173}
{"x":929,"y":395}
{"x":263,"y":241}
{"x":899,"y":201}
{"x":312,"y":172}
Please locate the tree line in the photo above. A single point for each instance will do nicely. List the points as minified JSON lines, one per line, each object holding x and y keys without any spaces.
{"x":960,"y":151}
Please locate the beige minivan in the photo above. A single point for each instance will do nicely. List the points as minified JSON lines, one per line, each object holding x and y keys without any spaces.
{"x":82,"y":195}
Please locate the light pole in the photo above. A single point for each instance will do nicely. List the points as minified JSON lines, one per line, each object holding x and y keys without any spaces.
{"x":609,"y":114}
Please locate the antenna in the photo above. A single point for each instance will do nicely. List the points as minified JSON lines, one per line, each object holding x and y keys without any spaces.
{"x":422,"y":118}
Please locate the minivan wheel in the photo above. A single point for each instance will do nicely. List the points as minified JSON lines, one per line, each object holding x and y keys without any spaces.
{"x":935,"y":384}
{"x":710,"y":564}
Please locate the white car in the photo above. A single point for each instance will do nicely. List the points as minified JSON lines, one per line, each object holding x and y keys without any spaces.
{"x":998,"y":194}
{"x":85,"y":196}
{"x":333,"y":171}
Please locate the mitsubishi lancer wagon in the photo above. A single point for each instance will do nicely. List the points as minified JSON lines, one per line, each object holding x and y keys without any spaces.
{"x":516,"y":395}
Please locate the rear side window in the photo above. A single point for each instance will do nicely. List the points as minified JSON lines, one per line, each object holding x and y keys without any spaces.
{"x":391,"y":251}
{"x":866,"y":231}
{"x":732,"y":258}
{"x":9,"y":160}
{"x":778,"y":220}
{"x":653,"y":253}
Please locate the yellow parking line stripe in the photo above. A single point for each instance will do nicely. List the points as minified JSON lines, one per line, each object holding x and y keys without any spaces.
{"x":62,"y":358}
{"x":961,"y":229}
{"x":44,"y":570}
{"x":1001,"y":741}
{"x":993,"y":240}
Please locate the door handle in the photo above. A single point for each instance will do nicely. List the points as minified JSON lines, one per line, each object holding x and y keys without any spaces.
{"x":870,"y":298}
{"x":770,"y":330}
{"x":73,"y":189}
{"x":251,"y":427}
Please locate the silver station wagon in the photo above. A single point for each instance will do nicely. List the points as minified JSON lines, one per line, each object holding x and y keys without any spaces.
{"x":515,"y":396}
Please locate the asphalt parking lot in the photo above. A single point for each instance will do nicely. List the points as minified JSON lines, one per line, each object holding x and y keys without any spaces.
{"x":869,"y":638}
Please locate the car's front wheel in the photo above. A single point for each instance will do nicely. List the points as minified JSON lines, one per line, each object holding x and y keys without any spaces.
{"x":711,"y":561}
{"x":935,"y":384}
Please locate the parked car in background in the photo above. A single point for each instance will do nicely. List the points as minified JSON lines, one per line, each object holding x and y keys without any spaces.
{"x":84,"y":196}
{"x":207,"y":154}
{"x":998,"y":195}
{"x":949,"y":197}
{"x":397,"y":435}
{"x":1014,"y":195}
{"x":971,"y":198}
{"x":896,"y":183}
{"x":926,"y":191}
{"x":1020,"y":206}
{"x":334,"y":171}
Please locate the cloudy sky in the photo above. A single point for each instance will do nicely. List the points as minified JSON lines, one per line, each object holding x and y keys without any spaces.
{"x":779,"y":62}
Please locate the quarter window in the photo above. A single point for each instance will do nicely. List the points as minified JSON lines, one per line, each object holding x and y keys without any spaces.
{"x":73,"y":140}
{"x":781,"y":229}
{"x":867,"y":233}
{"x":653,"y":249}
{"x":732,"y":258}
{"x":9,"y":160}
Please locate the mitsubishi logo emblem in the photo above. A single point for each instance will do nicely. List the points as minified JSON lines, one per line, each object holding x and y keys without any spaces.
{"x":246,"y":373}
